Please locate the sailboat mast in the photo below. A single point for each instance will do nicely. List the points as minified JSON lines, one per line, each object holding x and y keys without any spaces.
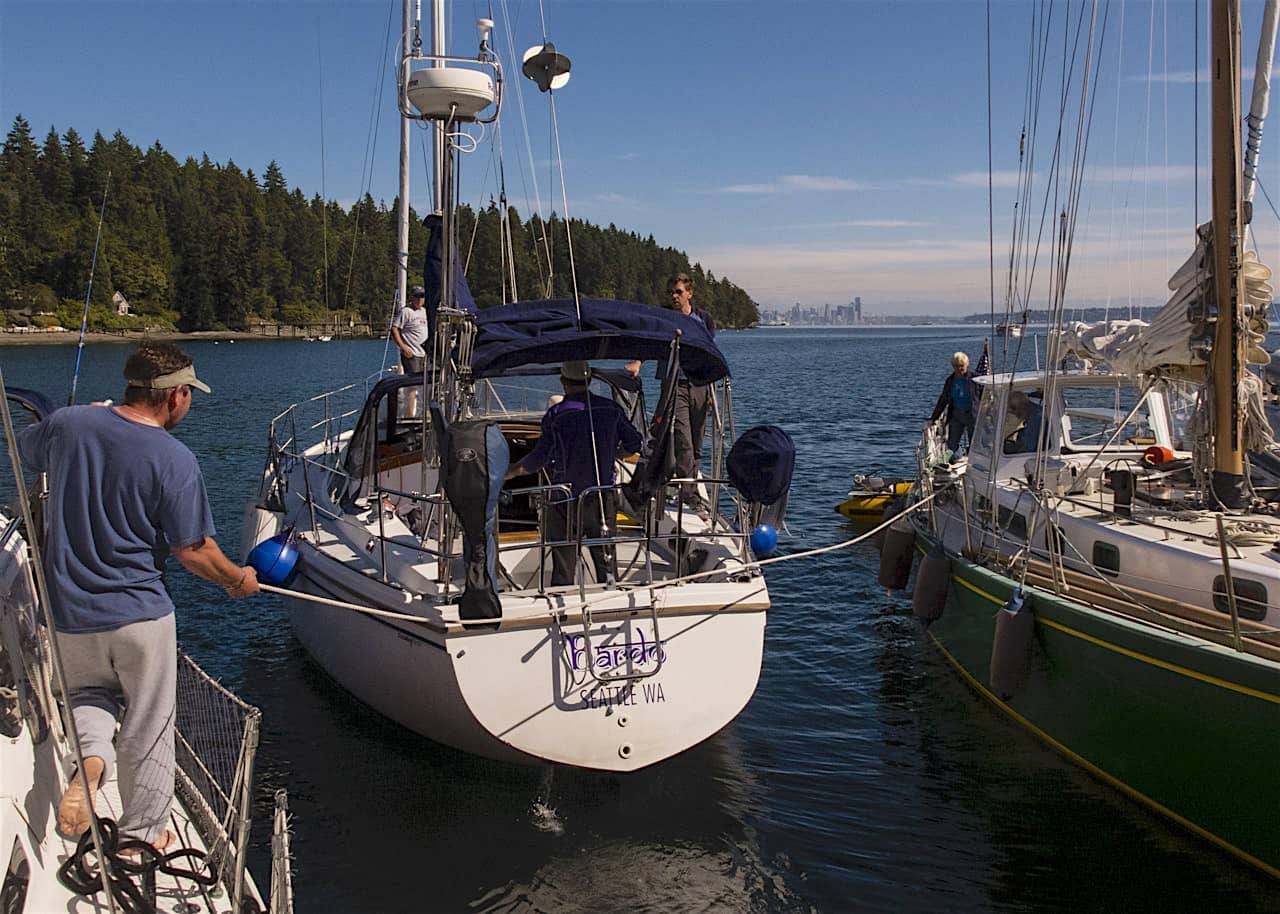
{"x":1228,"y":346}
{"x":437,"y":127}
{"x":402,"y":228}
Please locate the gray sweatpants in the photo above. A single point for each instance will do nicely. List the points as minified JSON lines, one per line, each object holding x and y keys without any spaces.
{"x":128,"y":675}
{"x":689,"y":429}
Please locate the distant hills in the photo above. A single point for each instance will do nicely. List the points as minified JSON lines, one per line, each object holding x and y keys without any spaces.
{"x":1114,"y":312}
{"x":200,"y":245}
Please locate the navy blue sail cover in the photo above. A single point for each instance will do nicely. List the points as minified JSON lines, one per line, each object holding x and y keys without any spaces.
{"x":761,"y":462}
{"x":548,"y":330}
{"x":432,"y":270}
{"x":33,"y":401}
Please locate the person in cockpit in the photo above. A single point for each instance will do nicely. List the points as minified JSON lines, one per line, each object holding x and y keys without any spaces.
{"x":579,"y":426}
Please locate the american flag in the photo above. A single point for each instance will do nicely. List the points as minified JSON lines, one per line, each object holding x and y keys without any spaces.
{"x":984,"y":363}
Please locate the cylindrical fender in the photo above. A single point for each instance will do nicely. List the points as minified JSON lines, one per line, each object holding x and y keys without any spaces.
{"x":933,"y":581}
{"x":1011,"y":648}
{"x":896,"y":554}
{"x":895,"y":507}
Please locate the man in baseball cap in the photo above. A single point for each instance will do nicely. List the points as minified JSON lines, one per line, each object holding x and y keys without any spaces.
{"x":123,"y":494}
{"x":581,"y":437}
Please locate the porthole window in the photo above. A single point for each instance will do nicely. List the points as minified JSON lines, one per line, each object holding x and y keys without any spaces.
{"x":1106,"y":558}
{"x":1014,"y":523}
{"x":1251,"y":598}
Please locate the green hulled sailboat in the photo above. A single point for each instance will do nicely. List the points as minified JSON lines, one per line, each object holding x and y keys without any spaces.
{"x":1105,"y":564}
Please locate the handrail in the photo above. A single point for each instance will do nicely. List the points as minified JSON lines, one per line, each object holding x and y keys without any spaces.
{"x":10,"y":529}
{"x":288,"y":453}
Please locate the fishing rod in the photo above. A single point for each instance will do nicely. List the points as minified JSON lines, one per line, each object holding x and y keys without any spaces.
{"x":93,"y":268}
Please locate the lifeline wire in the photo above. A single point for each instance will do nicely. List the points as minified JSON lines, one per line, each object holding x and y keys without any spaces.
{"x":388,"y":614}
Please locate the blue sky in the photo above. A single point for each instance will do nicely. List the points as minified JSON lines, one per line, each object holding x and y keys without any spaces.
{"x":809,"y":151}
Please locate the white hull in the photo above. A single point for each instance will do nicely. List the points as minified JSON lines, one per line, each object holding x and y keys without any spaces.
{"x":523,"y":693}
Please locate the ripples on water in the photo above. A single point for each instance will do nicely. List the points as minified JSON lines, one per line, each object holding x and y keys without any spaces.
{"x":862,"y":776}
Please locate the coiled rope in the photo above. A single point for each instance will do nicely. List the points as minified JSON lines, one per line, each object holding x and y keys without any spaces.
{"x":128,"y":857}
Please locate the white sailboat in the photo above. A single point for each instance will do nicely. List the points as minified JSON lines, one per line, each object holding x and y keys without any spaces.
{"x":425,"y":593}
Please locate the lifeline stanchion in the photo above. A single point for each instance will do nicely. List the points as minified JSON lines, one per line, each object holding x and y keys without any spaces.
{"x":407,"y":617}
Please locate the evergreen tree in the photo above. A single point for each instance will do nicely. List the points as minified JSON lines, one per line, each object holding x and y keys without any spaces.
{"x":209,"y":245}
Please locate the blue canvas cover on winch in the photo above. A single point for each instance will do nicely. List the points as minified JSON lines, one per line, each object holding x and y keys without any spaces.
{"x":761,"y":462}
{"x":431,"y":272}
{"x":549,"y":330}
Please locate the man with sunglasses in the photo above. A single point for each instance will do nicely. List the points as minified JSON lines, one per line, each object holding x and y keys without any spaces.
{"x":691,"y":400}
{"x":123,"y":493}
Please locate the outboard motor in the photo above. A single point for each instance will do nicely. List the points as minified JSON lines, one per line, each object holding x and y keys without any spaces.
{"x":760,"y":464}
{"x":473,"y":461}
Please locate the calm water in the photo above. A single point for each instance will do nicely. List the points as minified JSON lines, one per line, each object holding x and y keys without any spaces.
{"x":862,"y":776}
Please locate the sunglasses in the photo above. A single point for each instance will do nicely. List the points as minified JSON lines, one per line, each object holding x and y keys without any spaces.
{"x":679,"y":292}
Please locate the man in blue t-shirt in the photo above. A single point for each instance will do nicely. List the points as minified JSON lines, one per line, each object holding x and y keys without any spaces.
{"x":123,"y":493}
{"x":581,"y":437}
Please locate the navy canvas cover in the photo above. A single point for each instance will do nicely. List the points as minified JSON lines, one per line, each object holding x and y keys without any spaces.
{"x":761,"y":462}
{"x":548,"y":331}
{"x":33,"y":401}
{"x":431,"y":272}
{"x":657,"y":461}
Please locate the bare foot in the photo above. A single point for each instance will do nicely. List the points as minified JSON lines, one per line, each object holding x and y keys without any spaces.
{"x":77,"y":804}
{"x":161,"y":844}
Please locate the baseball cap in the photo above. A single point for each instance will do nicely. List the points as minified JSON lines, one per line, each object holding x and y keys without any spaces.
{"x":177,"y":378}
{"x":575,"y":371}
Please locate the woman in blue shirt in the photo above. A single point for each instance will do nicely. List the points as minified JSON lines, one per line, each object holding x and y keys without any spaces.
{"x":959,"y":400}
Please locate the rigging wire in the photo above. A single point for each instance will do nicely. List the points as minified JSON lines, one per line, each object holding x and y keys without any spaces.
{"x":1115,"y":169}
{"x":532,"y":174}
{"x":324,"y":191}
{"x":991,"y":219}
{"x":366,"y":175}
{"x":564,"y":198}
{"x":93,"y":269}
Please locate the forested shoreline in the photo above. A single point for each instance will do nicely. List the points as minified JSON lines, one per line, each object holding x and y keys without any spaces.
{"x":200,"y":245}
